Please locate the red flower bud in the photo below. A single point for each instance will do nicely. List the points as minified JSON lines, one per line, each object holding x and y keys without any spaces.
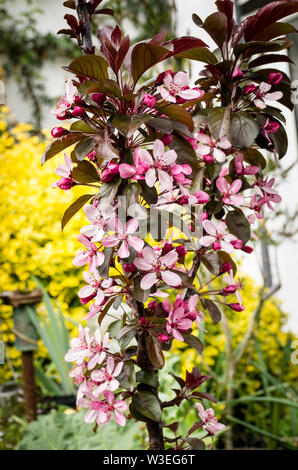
{"x":129,"y":268}
{"x":275,"y":78}
{"x":248,"y":249}
{"x":167,"y":139}
{"x":163,"y":338}
{"x":226,"y":267}
{"x":237,"y":244}
{"x":149,"y":100}
{"x":181,"y":250}
{"x":236,"y":307}
{"x":59,"y":132}
{"x":78,"y":111}
{"x":208,"y":159}
{"x":98,"y":98}
{"x":65,"y":183}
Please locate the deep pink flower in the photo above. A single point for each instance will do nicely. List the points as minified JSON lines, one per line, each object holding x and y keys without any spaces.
{"x":91,"y":255}
{"x":149,"y":100}
{"x":175,"y":87}
{"x":177,"y":320}
{"x":217,"y":234}
{"x":65,"y":171}
{"x":274,"y":78}
{"x":57,"y":132}
{"x":98,"y":98}
{"x":158,"y":267}
{"x":229,"y":191}
{"x":232,"y":287}
{"x":241,"y":169}
{"x":237,"y":73}
{"x":124,"y":236}
{"x":211,"y":424}
{"x":270,"y":127}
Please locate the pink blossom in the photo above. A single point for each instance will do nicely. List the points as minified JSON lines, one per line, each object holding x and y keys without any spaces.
{"x":194,"y":313}
{"x":99,"y":219}
{"x":262,"y":95}
{"x":106,"y":376}
{"x":175,"y":87}
{"x":91,"y":255}
{"x":112,"y":406}
{"x":237,"y":73}
{"x":179,"y":172}
{"x":67,"y":100}
{"x":158,"y":267}
{"x":126,"y":170}
{"x":97,"y":348}
{"x":217,"y":236}
{"x":79,"y":347}
{"x":211,"y":424}
{"x":209,"y":146}
{"x":65,"y":171}
{"x":157,"y":168}
{"x":97,"y":288}
{"x":274,"y":78}
{"x":96,"y":409}
{"x":241,"y":170}
{"x":229,"y":191}
{"x":270,"y":127}
{"x":264,"y":187}
{"x":149,"y":100}
{"x":177,"y":320}
{"x":232,"y":287}
{"x":124,"y":236}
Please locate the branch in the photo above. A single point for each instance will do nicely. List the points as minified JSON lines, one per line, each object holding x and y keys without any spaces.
{"x":86,"y":25}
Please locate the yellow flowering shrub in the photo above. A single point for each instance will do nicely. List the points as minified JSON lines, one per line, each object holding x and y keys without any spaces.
{"x":31,"y":241}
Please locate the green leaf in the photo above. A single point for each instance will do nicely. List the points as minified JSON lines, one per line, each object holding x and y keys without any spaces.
{"x":114,"y":328}
{"x":177,"y":113}
{"x":195,"y":443}
{"x":280,"y":141}
{"x":201,"y":54}
{"x":74,"y":208}
{"x":243,"y":130}
{"x":127,"y":376}
{"x":216,"y":26}
{"x":185,"y":153}
{"x":219,"y":121}
{"x":275,"y":30}
{"x":85,"y":172}
{"x":193,"y":342}
{"x":147,"y":406}
{"x":212,"y":262}
{"x":60,"y":144}
{"x":81,"y":126}
{"x":254,"y":157}
{"x":154,"y":348}
{"x":148,"y":194}
{"x":147,"y":377}
{"x":238,"y":225}
{"x":144,"y":56}
{"x":91,"y":66}
{"x":213,"y":310}
{"x":127,"y":125}
{"x":83,"y":148}
{"x":140,"y":294}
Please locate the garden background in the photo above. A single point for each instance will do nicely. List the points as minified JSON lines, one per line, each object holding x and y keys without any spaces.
{"x":252,"y":353}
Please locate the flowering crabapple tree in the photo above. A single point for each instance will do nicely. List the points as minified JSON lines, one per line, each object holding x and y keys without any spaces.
{"x":176,"y":181}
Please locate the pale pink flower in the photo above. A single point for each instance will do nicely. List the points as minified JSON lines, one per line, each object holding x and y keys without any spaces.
{"x":157,"y":168}
{"x":97,"y":288}
{"x":217,"y":236}
{"x":124,"y":236}
{"x":79,"y":347}
{"x":99,"y":219}
{"x":262,"y":95}
{"x":209,"y":146}
{"x":106,"y":377}
{"x":175,"y":87}
{"x":96,"y":409}
{"x":97,"y":348}
{"x":91,"y":255}
{"x":158,"y":267}
{"x":264,"y":189}
{"x":112,"y":406}
{"x":67,"y":100}
{"x":229,"y":191}
{"x":211,"y":424}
